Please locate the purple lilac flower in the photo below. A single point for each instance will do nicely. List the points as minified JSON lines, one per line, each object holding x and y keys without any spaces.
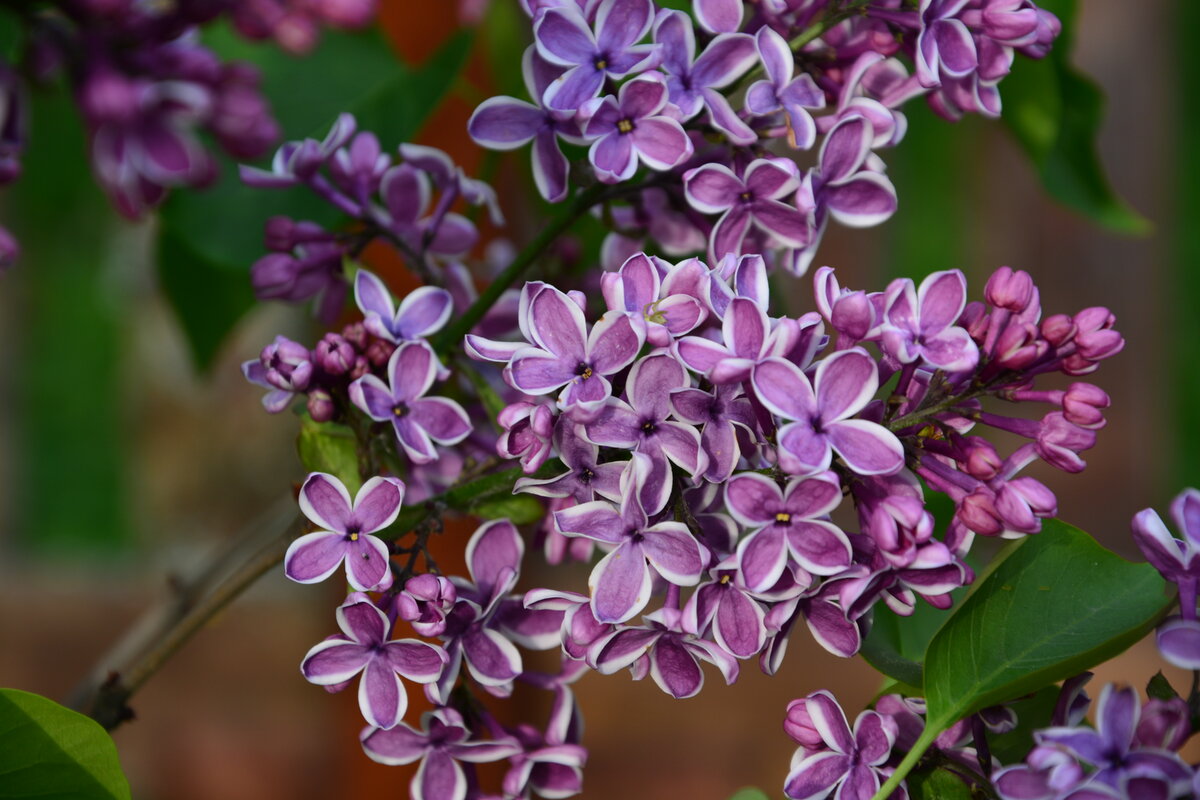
{"x":564,"y":354}
{"x":749,"y":337}
{"x":506,"y":123}
{"x":722,"y":413}
{"x":750,"y":200}
{"x":346,"y":528}
{"x":365,"y":648}
{"x":718,"y":16}
{"x":621,"y":582}
{"x":633,"y":127}
{"x":693,"y":82}
{"x":284,"y":367}
{"x":920,"y":323}
{"x":528,"y":428}
{"x":639,"y":290}
{"x":787,"y":522}
{"x":445,"y":741}
{"x":783,"y":92}
{"x":422,"y":312}
{"x":585,"y":477}
{"x":1179,"y":562}
{"x":563,"y":37}
{"x":425,"y":602}
{"x":728,"y":606}
{"x":849,"y":761}
{"x":844,"y":383}
{"x":418,"y":421}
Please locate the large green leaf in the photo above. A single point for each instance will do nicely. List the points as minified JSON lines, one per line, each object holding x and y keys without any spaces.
{"x":47,"y":751}
{"x":1056,"y":112}
{"x":937,"y":784}
{"x":215,"y":235}
{"x":1056,"y":605}
{"x":896,"y":645}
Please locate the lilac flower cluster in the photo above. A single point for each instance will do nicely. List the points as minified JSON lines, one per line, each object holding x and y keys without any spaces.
{"x":296,"y":24}
{"x":1132,"y":752}
{"x":631,"y":81}
{"x":478,"y":623}
{"x":748,"y":432}
{"x":389,"y":199}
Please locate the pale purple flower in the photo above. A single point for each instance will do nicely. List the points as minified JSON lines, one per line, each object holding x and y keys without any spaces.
{"x":642,"y":424}
{"x":345,"y":531}
{"x":285,"y":367}
{"x":421,"y":313}
{"x":621,"y":582}
{"x":849,"y":761}
{"x":365,"y":648}
{"x":749,"y":339}
{"x":565,"y":354}
{"x":750,"y":200}
{"x":787,"y":522}
{"x":407,"y":196}
{"x":506,"y":123}
{"x":668,"y":654}
{"x":563,"y":37}
{"x":418,"y":421}
{"x":794,"y":96}
{"x":637,"y":288}
{"x":693,"y":82}
{"x":444,"y":742}
{"x":945,"y":47}
{"x":1179,"y":562}
{"x":719,"y":16}
{"x":528,"y":428}
{"x":823,"y":409}
{"x":552,"y":762}
{"x":920,"y":323}
{"x":726,"y":604}
{"x":632,"y":127}
{"x":425,"y":602}
{"x":888,"y":124}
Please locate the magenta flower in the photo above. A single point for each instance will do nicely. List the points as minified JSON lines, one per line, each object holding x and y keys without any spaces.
{"x":725,"y":603}
{"x":752,"y":199}
{"x":621,"y":582}
{"x":849,"y":761}
{"x":418,"y":421}
{"x":346,"y":528}
{"x":844,"y":383}
{"x":365,"y":648}
{"x":563,"y":37}
{"x":749,"y":339}
{"x":921,"y":323}
{"x":945,"y":48}
{"x":564,"y":354}
{"x":444,"y":742}
{"x":693,"y":82}
{"x":791,"y":521}
{"x":632,"y":126}
{"x":794,"y":96}
{"x":638,"y":289}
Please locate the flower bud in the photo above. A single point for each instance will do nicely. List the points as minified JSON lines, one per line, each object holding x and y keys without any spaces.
{"x":1164,"y":724}
{"x":978,"y":513}
{"x":1083,"y":405}
{"x":1058,"y":329}
{"x":379,"y":351}
{"x":320,"y":405}
{"x":1009,"y":289}
{"x":274,"y":276}
{"x":334,"y":354}
{"x":800,"y":726}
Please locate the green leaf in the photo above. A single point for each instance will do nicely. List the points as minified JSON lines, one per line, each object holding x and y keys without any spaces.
{"x":209,"y":239}
{"x":50,"y":751}
{"x":1160,"y":688}
{"x":1059,"y":604}
{"x":749,"y":793}
{"x":896,"y":645}
{"x":1056,"y":605}
{"x":520,"y":509}
{"x":1055,"y":113}
{"x":329,"y":447}
{"x":937,"y":784}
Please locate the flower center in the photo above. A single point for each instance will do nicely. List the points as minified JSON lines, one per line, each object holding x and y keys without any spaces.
{"x":648,"y":426}
{"x":783,"y":518}
{"x":601,"y":63}
{"x":586,"y":475}
{"x":746,"y":196}
{"x":352,"y":535}
{"x":584,"y":371}
{"x":399,"y":410}
{"x":625,"y":125}
{"x":724,"y":579}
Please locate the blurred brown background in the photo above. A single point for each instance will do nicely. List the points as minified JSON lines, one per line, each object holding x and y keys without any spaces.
{"x":231,"y":717}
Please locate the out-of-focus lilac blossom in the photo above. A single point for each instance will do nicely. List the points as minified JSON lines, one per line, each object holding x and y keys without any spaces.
{"x":421,"y":313}
{"x":693,"y":82}
{"x":632,"y":127}
{"x":823,"y":411}
{"x":365,"y":648}
{"x":564,"y":37}
{"x":346,"y":528}
{"x":794,"y":96}
{"x":295,"y":24}
{"x":418,"y":421}
{"x":444,"y":742}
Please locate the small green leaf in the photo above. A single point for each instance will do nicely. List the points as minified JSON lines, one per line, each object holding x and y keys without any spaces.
{"x":1160,"y":688}
{"x":749,"y":793}
{"x":332,"y":448}
{"x":937,"y":784}
{"x":1055,"y":113}
{"x":520,"y":509}
{"x":48,"y":751}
